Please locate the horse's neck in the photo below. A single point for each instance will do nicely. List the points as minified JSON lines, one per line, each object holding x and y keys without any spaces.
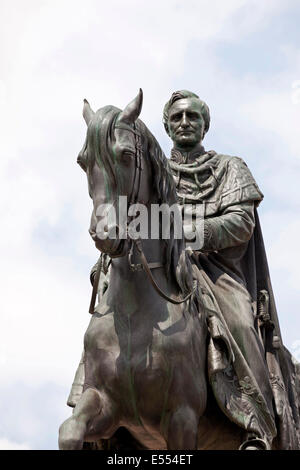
{"x":154,"y":251}
{"x":138,"y":282}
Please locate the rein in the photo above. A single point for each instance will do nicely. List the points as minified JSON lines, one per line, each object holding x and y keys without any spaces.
{"x":147,"y":268}
{"x":134,"y":198}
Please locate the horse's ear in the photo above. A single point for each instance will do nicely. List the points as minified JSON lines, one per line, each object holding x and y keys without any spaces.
{"x":87,"y":112}
{"x":133,"y":109}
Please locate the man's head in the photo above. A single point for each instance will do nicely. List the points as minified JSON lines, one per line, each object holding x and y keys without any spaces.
{"x":186,"y":119}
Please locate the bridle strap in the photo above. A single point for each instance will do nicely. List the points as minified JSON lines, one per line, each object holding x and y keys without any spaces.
{"x":134,"y":199}
{"x":127,"y":128}
{"x":95,"y":285}
{"x":147,"y":269}
{"x":139,"y":267}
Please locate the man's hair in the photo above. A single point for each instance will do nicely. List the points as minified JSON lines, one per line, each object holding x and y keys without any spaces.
{"x":179,"y":95}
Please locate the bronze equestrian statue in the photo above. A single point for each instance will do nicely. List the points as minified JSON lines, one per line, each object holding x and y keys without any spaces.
{"x":183,"y":350}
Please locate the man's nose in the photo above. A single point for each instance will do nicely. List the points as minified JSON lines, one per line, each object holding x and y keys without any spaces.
{"x":184,"y":121}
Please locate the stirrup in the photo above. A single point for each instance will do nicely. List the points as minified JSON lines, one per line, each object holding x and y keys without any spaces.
{"x":254,"y":444}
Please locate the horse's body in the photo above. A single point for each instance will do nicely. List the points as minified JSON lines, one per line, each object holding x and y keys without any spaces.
{"x":147,"y":361}
{"x":145,"y":357}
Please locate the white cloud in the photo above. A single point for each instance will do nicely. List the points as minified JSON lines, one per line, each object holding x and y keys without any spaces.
{"x":5,"y":444}
{"x":275,"y":111}
{"x":281,"y":251}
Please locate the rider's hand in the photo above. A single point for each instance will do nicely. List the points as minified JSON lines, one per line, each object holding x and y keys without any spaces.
{"x":194,"y":235}
{"x":189,"y":232}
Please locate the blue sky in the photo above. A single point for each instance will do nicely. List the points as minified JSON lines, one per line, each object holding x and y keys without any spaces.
{"x":241,"y":56}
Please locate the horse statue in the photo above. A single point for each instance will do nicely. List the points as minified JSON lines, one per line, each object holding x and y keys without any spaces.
{"x":147,"y":341}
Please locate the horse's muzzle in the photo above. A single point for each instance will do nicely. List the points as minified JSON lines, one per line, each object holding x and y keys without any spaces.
{"x":109,"y":241}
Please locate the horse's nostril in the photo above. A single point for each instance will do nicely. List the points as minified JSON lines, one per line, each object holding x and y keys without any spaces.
{"x":112,"y":232}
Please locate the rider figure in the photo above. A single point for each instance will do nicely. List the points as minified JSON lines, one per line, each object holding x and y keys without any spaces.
{"x":232,"y":266}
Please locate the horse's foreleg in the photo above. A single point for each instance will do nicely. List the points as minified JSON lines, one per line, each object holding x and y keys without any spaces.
{"x":183,"y":429}
{"x":73,"y":430}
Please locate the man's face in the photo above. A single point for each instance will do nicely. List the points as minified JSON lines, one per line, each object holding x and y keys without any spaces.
{"x":185,"y":123}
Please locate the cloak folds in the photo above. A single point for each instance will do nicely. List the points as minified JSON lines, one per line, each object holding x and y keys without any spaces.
{"x":254,"y":378}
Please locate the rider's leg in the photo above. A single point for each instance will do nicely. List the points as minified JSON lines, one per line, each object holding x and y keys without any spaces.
{"x":183,"y":429}
{"x":73,"y":430}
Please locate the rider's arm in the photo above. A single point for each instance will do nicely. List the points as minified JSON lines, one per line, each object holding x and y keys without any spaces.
{"x":232,"y":228}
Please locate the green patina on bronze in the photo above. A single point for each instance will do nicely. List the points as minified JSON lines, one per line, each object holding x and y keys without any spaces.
{"x":218,"y":357}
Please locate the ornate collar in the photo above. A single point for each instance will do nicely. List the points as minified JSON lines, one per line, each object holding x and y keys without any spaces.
{"x":205,"y":171}
{"x":183,"y":157}
{"x":201,"y":160}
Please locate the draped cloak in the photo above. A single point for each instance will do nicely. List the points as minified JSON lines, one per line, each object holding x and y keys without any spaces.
{"x":254,"y":378}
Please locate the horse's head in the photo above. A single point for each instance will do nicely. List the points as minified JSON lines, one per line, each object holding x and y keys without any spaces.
{"x":125,"y":166}
{"x":113,"y":160}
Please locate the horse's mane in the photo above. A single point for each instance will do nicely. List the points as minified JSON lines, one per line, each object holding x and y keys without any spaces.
{"x":177,"y":260}
{"x":98,"y":146}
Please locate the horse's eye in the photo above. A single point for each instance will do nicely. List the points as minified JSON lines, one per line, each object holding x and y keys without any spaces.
{"x":127,"y":155}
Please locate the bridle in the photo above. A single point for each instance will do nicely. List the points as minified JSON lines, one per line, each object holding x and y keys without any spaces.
{"x":136,"y":243}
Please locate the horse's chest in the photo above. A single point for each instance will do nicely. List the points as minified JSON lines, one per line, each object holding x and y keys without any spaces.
{"x":132,"y":357}
{"x":151,"y":361}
